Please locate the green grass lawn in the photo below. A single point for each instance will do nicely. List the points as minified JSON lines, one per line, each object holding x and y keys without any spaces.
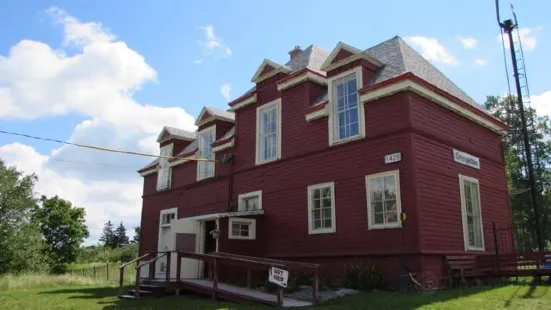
{"x":70,"y":292}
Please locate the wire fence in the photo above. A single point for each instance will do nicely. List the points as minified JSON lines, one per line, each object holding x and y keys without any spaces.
{"x":108,"y":272}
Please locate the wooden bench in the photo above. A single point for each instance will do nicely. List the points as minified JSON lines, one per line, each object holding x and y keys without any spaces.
{"x":463,"y":267}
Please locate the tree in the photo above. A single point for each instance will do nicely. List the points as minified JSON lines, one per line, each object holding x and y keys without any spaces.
{"x":136,"y":238}
{"x":20,"y":240}
{"x":120,"y":236}
{"x":64,"y":230}
{"x":539,"y":131}
{"x":108,"y":235}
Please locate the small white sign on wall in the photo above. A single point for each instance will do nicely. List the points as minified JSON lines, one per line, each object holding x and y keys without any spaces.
{"x":393,"y":158}
{"x":466,"y":159}
{"x":278,"y":276}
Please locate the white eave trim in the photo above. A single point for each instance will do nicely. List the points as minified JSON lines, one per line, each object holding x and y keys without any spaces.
{"x":350,"y":59}
{"x":245,"y":102}
{"x":317,"y":113}
{"x":257,"y":78}
{"x":223,"y":146}
{"x":303,"y":77}
{"x":431,"y":95}
{"x":181,"y":160}
{"x":149,"y":171}
{"x":214,"y":216}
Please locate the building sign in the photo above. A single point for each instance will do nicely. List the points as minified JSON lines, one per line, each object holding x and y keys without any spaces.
{"x":466,"y":159}
{"x":278,"y":276}
{"x":393,"y":158}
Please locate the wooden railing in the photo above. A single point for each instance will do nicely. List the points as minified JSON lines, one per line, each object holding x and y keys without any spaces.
{"x":151,"y":270}
{"x":216,"y":259}
{"x":121,"y":271}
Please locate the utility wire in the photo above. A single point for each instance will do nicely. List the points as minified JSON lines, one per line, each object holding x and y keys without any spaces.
{"x":98,"y":148}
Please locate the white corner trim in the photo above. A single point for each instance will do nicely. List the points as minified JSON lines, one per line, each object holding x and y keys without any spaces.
{"x":243,"y":103}
{"x":278,"y":105}
{"x":317,"y":114}
{"x":250,"y":222}
{"x":331,"y":107}
{"x":303,"y":77}
{"x":223,"y":146}
{"x":241,"y":197}
{"x":431,"y":95}
{"x":463,"y":178}
{"x":149,"y":171}
{"x":370,"y":224}
{"x":311,"y":230}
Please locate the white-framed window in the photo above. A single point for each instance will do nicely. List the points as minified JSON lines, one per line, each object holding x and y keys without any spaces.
{"x":163,"y":175}
{"x":346,"y":121}
{"x":164,"y":241}
{"x":268,"y":132}
{"x":250,"y":201}
{"x":205,"y":169}
{"x":321,"y":208}
{"x":242,"y":228}
{"x":473,"y":232}
{"x":384,"y":206}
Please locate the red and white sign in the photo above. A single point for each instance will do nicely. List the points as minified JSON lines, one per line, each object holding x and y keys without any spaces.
{"x":278,"y":276}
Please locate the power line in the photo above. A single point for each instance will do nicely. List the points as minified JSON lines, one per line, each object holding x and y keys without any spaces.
{"x":91,"y":163}
{"x":105,"y":149}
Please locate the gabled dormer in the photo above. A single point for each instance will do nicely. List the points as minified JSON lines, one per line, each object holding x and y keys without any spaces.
{"x":212,"y":125}
{"x":267,"y":70}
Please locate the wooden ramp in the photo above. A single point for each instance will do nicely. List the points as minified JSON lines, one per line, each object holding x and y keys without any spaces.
{"x":230,"y":292}
{"x":211,"y":286}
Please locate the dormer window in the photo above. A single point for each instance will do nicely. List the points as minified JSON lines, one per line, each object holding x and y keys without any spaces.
{"x":163,"y":175}
{"x":346,"y":114}
{"x":268,"y":132}
{"x":205,"y":167}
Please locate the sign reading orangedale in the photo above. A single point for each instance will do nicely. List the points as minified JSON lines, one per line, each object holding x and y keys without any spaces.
{"x":466,"y":159}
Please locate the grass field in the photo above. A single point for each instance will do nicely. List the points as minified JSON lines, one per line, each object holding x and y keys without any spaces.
{"x":75,"y":292}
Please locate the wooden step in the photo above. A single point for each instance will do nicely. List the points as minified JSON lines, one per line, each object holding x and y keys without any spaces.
{"x":142,"y":292}
{"x":127,"y":297}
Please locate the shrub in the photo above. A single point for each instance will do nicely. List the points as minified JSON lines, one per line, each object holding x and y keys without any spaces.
{"x":362,"y":276}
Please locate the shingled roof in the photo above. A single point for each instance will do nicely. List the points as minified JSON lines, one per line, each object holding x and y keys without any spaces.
{"x":398,"y":58}
{"x":312,"y":58}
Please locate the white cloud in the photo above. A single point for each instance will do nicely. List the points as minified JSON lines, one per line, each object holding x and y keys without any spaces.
{"x":480,"y":62}
{"x":542,"y":103}
{"x":225,"y":89}
{"x":96,"y":81}
{"x":432,"y":50}
{"x":212,"y":45}
{"x":527,"y":38}
{"x":468,"y":43}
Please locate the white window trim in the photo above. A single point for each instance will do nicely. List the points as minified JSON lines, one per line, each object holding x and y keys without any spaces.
{"x":276,"y":103}
{"x":170,"y":147}
{"x":213,"y":129}
{"x":464,"y":214}
{"x":332,"y":106}
{"x":242,"y":197}
{"x":370,"y":224}
{"x":250,"y":222}
{"x":333,"y":228}
{"x":167,"y":211}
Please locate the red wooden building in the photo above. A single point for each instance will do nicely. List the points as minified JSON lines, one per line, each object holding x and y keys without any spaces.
{"x":321,"y":160}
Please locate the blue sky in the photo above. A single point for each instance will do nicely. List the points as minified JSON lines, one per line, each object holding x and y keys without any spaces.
{"x":113,"y":72}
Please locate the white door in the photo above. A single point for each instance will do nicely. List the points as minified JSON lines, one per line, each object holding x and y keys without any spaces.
{"x":187,"y":234}
{"x":165,"y":241}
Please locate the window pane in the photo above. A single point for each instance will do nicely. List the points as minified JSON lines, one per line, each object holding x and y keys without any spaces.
{"x":340,"y":89}
{"x":390,"y":187}
{"x":317,"y":224}
{"x":378,"y":218}
{"x":327,"y":213}
{"x":316,"y":214}
{"x":235,"y":229}
{"x":351,"y":86}
{"x":376,"y":189}
{"x":327,"y":223}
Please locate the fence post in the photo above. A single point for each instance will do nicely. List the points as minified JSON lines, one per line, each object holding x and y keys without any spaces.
{"x":107,"y":271}
{"x":496,"y":245}
{"x":94,"y":271}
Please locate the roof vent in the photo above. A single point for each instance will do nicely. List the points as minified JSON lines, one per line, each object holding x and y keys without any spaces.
{"x":294,"y":53}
